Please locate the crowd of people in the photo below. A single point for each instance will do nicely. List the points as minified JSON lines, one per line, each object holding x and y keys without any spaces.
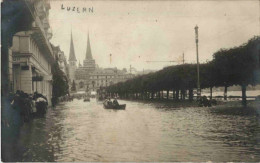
{"x":28,"y":105}
{"x":35,"y":105}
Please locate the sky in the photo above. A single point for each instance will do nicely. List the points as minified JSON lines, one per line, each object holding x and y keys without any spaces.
{"x":135,"y":32}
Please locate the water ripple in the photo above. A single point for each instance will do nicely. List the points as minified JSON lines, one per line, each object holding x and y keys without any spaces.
{"x":84,"y":131}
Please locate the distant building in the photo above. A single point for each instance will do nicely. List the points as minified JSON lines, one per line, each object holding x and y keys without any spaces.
{"x":62,"y":61}
{"x":89,"y":65}
{"x":89,"y":77}
{"x":105,"y":77}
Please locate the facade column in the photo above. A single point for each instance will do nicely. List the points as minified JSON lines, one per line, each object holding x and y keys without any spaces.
{"x":26,"y":79}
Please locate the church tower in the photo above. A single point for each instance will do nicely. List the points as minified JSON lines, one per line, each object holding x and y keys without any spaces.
{"x":89,"y":63}
{"x":72,"y":61}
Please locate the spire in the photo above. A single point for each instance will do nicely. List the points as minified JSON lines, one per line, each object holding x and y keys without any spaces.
{"x":80,"y":64}
{"x":72,"y":56}
{"x":88,"y":53}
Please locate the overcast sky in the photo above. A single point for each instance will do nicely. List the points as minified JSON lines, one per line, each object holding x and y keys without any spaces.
{"x":139,"y":31}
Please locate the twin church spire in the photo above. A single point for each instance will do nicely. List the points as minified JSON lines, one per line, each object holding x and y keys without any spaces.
{"x":72,"y":56}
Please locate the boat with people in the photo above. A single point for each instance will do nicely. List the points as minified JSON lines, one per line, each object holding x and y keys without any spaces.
{"x":118,"y":107}
{"x":108,"y":104}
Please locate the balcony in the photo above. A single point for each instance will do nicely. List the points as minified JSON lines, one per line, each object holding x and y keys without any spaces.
{"x":40,"y":37}
{"x":37,"y":10}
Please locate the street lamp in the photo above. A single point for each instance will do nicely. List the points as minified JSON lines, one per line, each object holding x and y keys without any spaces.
{"x":198,"y":68}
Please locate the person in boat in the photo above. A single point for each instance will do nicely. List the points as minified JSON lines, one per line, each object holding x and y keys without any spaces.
{"x":115,"y":102}
{"x":109,"y":102}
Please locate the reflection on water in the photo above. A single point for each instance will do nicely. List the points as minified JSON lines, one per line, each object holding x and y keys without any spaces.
{"x":232,"y":93}
{"x":84,"y":131}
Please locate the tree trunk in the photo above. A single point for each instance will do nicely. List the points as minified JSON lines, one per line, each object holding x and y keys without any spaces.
{"x":173,"y":94}
{"x":191,"y":94}
{"x":167,"y":94}
{"x":244,"y":102}
{"x":159,"y":95}
{"x":225,"y":93}
{"x":162,"y":95}
{"x":152,"y":95}
{"x":183,"y":94}
{"x":210,"y":93}
{"x":177,"y":94}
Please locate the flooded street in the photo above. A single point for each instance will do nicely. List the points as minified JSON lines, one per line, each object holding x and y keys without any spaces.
{"x":84,"y":131}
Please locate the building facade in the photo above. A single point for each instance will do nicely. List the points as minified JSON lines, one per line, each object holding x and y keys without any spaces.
{"x":89,"y":77}
{"x":61,"y":59}
{"x":32,"y":55}
{"x":102,"y":78}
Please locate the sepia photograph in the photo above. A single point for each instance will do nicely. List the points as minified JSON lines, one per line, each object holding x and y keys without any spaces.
{"x":130,"y":81}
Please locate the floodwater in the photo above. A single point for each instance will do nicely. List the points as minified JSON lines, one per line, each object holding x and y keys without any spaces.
{"x":84,"y":131}
{"x":233,"y":93}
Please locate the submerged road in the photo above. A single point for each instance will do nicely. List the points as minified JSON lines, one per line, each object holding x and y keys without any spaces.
{"x":84,"y":131}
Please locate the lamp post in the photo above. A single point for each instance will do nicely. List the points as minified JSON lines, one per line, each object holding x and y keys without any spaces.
{"x":198,"y":68}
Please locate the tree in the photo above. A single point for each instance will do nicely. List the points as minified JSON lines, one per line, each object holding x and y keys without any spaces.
{"x":238,"y":66}
{"x":73,"y":87}
{"x":60,"y":85}
{"x":234,"y":66}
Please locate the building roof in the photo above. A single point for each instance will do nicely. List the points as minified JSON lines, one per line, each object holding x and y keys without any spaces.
{"x":88,"y":53}
{"x":72,"y":56}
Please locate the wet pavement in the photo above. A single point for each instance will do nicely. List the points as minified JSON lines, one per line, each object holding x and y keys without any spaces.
{"x":84,"y":131}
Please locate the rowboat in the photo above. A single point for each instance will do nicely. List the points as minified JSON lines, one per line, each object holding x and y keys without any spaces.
{"x":117,"y":107}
